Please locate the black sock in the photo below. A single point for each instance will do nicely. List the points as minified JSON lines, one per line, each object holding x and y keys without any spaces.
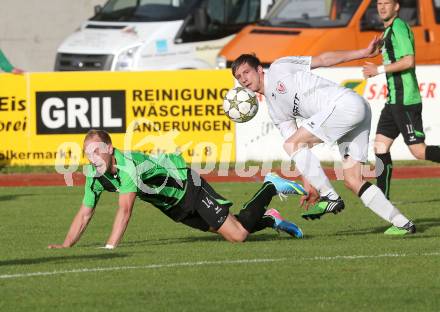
{"x":264,"y":222}
{"x":432,"y":153}
{"x":363,"y":188}
{"x":384,"y":177}
{"x":253,"y":211}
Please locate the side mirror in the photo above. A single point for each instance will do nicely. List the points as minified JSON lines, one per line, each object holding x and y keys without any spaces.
{"x":98,"y":9}
{"x":201,"y":20}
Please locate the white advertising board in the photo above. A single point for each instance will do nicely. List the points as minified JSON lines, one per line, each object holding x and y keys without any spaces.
{"x":259,"y":140}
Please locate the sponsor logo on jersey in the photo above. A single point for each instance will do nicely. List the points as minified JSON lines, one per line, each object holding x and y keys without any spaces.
{"x":221,"y":219}
{"x":412,"y":138}
{"x":281,"y":88}
{"x":62,"y":112}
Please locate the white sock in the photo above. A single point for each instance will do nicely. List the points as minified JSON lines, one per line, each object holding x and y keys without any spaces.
{"x":374,"y":199}
{"x":309,"y":166}
{"x":331,"y":194}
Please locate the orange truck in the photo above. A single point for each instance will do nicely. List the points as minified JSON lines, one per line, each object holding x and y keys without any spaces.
{"x":298,"y":27}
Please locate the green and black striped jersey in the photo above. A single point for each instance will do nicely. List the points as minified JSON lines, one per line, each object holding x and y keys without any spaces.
{"x":399,"y":42}
{"x":159,"y":180}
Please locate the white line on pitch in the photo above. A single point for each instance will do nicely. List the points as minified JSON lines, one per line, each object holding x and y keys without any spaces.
{"x":354,"y":257}
{"x":150,"y":266}
{"x":206,"y":263}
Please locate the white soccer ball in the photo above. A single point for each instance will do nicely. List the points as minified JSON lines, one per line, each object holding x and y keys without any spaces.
{"x":240,"y":104}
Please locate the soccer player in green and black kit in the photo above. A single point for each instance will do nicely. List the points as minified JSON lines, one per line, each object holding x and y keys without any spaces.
{"x":6,"y":66}
{"x":167,"y":183}
{"x":403,"y":111}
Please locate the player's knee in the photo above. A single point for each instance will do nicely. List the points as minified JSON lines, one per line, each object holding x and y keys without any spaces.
{"x":237,"y":236}
{"x":240,"y":236}
{"x":381,"y":147}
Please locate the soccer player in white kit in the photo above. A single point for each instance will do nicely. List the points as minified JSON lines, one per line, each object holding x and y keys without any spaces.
{"x":331,"y":114}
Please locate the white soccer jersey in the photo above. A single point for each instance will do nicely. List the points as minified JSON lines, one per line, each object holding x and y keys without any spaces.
{"x":292,"y":91}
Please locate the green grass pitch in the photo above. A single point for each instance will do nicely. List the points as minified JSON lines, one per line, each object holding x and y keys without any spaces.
{"x":344,"y":263}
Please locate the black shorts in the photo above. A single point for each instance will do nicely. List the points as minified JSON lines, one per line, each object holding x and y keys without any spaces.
{"x":201,"y":207}
{"x":405,"y":119}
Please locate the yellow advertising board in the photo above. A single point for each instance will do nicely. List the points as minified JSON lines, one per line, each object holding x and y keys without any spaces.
{"x":15,"y":120}
{"x":44,"y":116}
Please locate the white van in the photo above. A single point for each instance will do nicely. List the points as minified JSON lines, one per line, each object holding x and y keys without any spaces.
{"x":156,"y":34}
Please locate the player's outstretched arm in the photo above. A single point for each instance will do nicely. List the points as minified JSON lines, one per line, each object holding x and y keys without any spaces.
{"x":78,"y":226}
{"x":126,"y":202}
{"x":327,"y":59}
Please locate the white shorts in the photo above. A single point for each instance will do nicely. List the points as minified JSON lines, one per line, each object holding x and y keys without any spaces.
{"x":348,"y":123}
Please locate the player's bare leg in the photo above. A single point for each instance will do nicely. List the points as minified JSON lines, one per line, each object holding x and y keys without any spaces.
{"x":352,"y":174}
{"x":232,"y":230}
{"x":425,"y":152}
{"x":298,"y":147}
{"x":418,"y":150}
{"x":384,"y":169}
{"x":373,"y":198}
{"x":254,"y":217}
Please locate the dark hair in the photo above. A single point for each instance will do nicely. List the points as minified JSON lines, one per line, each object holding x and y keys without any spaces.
{"x":251,"y":59}
{"x":103,"y":135}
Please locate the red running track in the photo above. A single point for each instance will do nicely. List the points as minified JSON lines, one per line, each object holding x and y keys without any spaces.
{"x":54,"y":179}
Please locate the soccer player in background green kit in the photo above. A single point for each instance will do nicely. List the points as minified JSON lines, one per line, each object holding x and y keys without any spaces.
{"x":167,"y":183}
{"x":403,"y":111}
{"x":6,"y":66}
